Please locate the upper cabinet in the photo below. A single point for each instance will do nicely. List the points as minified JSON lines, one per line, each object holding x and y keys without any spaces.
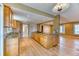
{"x":16,"y":24}
{"x":19,"y":24}
{"x":7,"y":16}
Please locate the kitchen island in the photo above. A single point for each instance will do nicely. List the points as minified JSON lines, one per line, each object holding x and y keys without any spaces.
{"x":46,"y":40}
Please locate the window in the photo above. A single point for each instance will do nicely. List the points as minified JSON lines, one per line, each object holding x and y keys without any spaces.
{"x":62,"y":29}
{"x":76,"y":29}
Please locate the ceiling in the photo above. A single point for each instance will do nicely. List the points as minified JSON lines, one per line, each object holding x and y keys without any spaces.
{"x":72,"y":14}
{"x":41,"y":12}
{"x":28,"y":17}
{"x":45,"y":7}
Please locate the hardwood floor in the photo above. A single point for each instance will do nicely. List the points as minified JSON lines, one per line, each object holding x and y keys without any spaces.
{"x":68,"y":46}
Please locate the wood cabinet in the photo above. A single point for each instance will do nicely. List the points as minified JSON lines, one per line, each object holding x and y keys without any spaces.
{"x":7,"y":16}
{"x":46,"y":40}
{"x":11,"y":46}
{"x":16,"y":24}
{"x":19,"y":25}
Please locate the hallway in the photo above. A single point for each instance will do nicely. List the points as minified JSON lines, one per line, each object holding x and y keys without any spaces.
{"x":69,"y":46}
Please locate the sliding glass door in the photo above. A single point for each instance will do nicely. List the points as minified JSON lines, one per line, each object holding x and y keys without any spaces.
{"x":62,"y":29}
{"x":76,"y":29}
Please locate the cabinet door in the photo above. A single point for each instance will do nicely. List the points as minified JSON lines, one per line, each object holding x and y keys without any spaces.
{"x":14,"y":24}
{"x":7,"y":16}
{"x":11,"y":46}
{"x":18,"y":24}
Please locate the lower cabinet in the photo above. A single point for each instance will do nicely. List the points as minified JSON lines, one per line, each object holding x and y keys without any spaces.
{"x":11,"y":47}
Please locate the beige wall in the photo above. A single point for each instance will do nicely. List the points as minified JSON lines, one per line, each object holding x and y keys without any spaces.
{"x":56,"y":25}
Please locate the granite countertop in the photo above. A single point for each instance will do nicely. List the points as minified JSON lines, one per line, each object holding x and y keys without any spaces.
{"x":12,"y":35}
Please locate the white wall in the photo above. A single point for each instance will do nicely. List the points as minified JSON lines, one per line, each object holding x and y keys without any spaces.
{"x":46,"y":29}
{"x":25,"y":30}
{"x":32,"y":28}
{"x":1,"y":29}
{"x":28,"y":29}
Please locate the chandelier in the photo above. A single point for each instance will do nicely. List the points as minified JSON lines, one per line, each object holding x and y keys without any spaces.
{"x":60,"y":7}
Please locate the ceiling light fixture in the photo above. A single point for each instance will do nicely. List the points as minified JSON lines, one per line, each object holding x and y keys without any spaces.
{"x":60,"y":7}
